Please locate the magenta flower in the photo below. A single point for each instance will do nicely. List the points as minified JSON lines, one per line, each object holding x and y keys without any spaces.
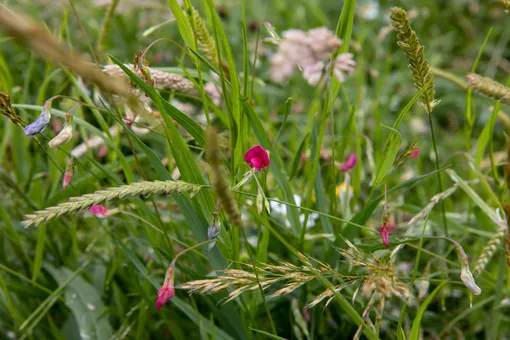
{"x":415,"y":153}
{"x":384,"y":230}
{"x":257,"y":157}
{"x":167,"y":291}
{"x":99,"y":211}
{"x":349,"y":163}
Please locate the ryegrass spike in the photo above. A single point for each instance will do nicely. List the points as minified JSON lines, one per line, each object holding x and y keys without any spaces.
{"x":137,"y":189}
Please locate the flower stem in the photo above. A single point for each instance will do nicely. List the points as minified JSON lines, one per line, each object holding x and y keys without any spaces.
{"x":445,"y":223}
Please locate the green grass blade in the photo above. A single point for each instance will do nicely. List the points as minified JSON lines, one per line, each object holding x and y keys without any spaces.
{"x":415,"y":329}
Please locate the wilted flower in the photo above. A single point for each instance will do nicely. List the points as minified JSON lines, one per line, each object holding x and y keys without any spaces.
{"x":167,"y":290}
{"x":63,"y":137}
{"x":384,"y":230}
{"x":40,"y":123}
{"x":257,"y":157}
{"x":349,"y":163}
{"x":99,"y":211}
{"x":469,"y":281}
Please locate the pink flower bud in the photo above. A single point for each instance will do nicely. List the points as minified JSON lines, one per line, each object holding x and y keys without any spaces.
{"x":384,"y":231}
{"x":68,"y":174}
{"x":415,"y":153}
{"x":349,"y":163}
{"x":257,"y":157}
{"x":167,"y":290}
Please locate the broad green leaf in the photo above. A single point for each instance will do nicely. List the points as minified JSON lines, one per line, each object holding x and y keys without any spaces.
{"x":85,"y":303}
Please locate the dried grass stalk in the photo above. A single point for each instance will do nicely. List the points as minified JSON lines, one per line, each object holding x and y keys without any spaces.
{"x":489,"y":87}
{"x":268,"y":275}
{"x":37,"y":38}
{"x":408,"y":42}
{"x":7,"y":110}
{"x":137,"y":189}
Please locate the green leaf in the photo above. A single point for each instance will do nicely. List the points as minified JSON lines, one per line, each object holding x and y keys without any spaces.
{"x":490,"y":212}
{"x":415,"y":329}
{"x":85,"y":303}
{"x":297,"y":157}
{"x":392,"y":145}
{"x":268,"y":335}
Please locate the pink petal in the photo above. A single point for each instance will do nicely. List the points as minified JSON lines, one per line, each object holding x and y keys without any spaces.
{"x":385,"y":235}
{"x":350,"y":163}
{"x":253,"y":152}
{"x":98,"y":210}
{"x":415,"y":154}
{"x":165,"y":293}
{"x":256,"y":163}
{"x":257,"y":157}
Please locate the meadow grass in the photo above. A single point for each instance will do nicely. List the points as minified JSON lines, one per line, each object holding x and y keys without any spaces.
{"x":309,"y":169}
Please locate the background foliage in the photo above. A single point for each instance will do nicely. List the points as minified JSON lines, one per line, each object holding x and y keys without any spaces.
{"x":80,"y":276}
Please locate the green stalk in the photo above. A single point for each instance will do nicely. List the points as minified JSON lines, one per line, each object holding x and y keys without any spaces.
{"x":439,"y":178}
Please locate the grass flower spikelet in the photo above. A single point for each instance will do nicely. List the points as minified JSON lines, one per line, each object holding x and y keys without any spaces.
{"x":408,"y":42}
{"x":489,"y":88}
{"x":137,"y":189}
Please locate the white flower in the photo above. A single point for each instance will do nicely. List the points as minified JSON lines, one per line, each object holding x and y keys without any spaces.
{"x":307,"y":50}
{"x":281,"y":209}
{"x":370,"y":11}
{"x":63,"y":137}
{"x":344,"y":65}
{"x":313,"y":73}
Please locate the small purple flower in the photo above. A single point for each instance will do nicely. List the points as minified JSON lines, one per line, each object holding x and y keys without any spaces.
{"x":39,"y":124}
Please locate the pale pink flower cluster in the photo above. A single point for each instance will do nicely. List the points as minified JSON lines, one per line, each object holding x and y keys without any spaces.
{"x":310,"y":52}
